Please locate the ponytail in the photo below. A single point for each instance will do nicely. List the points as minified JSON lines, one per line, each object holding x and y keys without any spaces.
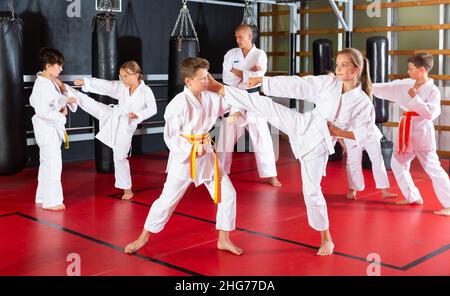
{"x":366,"y":82}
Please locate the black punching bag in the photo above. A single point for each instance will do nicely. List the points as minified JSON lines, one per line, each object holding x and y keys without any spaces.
{"x":13,"y":142}
{"x":105,"y":63}
{"x":322,"y":56}
{"x":323,"y":64}
{"x":183,"y":43}
{"x":179,"y":49}
{"x":377,"y":53}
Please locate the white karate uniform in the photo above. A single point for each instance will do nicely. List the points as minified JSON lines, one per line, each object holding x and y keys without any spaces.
{"x":354,"y":171}
{"x":49,"y":132}
{"x":185,"y":115}
{"x":422,"y":140}
{"x":115,"y":128}
{"x":257,"y":127}
{"x":308,"y":133}
{"x":354,"y":168}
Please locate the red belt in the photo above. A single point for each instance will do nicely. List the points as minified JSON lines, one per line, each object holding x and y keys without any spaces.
{"x":403,"y":130}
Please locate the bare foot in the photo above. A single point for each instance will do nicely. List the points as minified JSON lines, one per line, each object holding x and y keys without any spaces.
{"x":275,"y":182}
{"x":443,"y":212}
{"x":214,"y":85}
{"x":407,"y":202}
{"x":127,"y":194}
{"x":387,"y":194}
{"x":351,"y":194}
{"x":133,"y":247}
{"x":60,"y":207}
{"x":326,"y":248}
{"x":227,"y":245}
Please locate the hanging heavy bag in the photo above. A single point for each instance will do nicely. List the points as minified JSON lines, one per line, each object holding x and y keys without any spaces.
{"x":105,"y":65}
{"x":181,"y":45}
{"x":377,"y":53}
{"x":13,"y":156}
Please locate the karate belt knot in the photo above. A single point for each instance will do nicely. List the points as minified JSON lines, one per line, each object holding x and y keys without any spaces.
{"x":403,"y":130}
{"x":196,"y":140}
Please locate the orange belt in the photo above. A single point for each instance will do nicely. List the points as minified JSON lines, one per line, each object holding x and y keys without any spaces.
{"x":196,"y":140}
{"x":403,"y":130}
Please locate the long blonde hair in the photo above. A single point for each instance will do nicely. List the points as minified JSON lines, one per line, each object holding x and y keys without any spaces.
{"x":362,"y":63}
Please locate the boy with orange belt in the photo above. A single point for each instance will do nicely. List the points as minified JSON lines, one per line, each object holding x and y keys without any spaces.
{"x":421,"y":101}
{"x":189,"y":117}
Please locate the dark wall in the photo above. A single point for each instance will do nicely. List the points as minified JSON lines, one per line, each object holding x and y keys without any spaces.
{"x":144,"y":31}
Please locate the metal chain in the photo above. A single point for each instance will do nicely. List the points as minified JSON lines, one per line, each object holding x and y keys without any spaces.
{"x":176,"y":23}
{"x":183,"y":25}
{"x":186,"y":20}
{"x":248,"y":18}
{"x":11,"y":7}
{"x":106,"y":4}
{"x":186,"y":24}
{"x":193,"y":31}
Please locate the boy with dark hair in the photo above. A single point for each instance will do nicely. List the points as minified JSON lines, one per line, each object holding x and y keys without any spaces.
{"x":421,"y":101}
{"x":50,"y":106}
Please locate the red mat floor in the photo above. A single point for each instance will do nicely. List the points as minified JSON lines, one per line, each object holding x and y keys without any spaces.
{"x":272,"y":226}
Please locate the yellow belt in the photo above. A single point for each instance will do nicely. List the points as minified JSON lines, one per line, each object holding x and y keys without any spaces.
{"x":196,"y":140}
{"x":66,"y":143}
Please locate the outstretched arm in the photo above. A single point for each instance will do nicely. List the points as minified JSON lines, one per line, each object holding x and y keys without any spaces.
{"x":395,"y":91}
{"x":100,"y":86}
{"x":293,"y":87}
